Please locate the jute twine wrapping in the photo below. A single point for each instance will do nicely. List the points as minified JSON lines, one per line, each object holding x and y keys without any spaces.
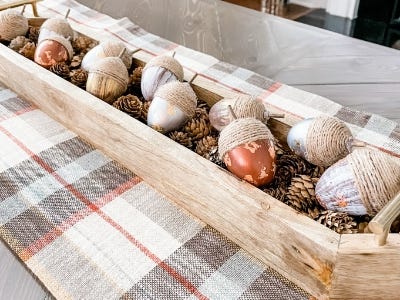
{"x":247,"y":107}
{"x":377,"y":176}
{"x":58,"y":26}
{"x":114,"y":48}
{"x":12,"y":24}
{"x":112,"y":67}
{"x":167,"y":62}
{"x":326,"y":141}
{"x":63,"y":41}
{"x":179,"y":94}
{"x":241,"y":131}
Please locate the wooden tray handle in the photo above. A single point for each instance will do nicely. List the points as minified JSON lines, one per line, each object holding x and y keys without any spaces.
{"x":380,"y":224}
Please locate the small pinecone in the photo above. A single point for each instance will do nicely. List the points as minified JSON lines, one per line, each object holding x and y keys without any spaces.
{"x":301,"y":193}
{"x":203,"y":104}
{"x":33,"y":34}
{"x":278,"y":192}
{"x":205,"y":145}
{"x":145,"y":110}
{"x":76,"y":61}
{"x":79,"y":77}
{"x":82,"y":44}
{"x":18,"y":43}
{"x":288,"y":166}
{"x":197,"y":128}
{"x":214,"y":157}
{"x":136,"y":76}
{"x":182,"y":138}
{"x":129,"y":104}
{"x":279,"y":150}
{"x":28,"y":50}
{"x":317,"y":172}
{"x":340,"y":222}
{"x":60,"y":69}
{"x":201,"y":113}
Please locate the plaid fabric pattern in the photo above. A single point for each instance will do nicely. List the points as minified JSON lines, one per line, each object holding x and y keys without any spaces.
{"x":90,"y":229}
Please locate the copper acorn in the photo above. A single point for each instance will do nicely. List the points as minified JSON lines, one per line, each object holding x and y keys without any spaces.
{"x":361,"y":183}
{"x":157,"y":72}
{"x":247,"y":149}
{"x":52,"y":51}
{"x":321,"y":141}
{"x":12,"y":24}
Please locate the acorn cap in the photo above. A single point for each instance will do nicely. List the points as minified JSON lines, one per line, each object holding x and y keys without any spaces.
{"x":58,"y":26}
{"x":113,"y":49}
{"x":241,"y":131}
{"x":111,"y":67}
{"x":180,"y":94}
{"x":12,"y":24}
{"x":246,"y":107}
{"x":63,"y":41}
{"x":166,"y":62}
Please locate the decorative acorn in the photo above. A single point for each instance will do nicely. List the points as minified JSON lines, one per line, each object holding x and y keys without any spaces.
{"x":56,"y":27}
{"x":321,"y":141}
{"x":247,"y":149}
{"x":108,"y":78}
{"x":52,"y":51}
{"x":106,"y":49}
{"x":12,"y":24}
{"x":157,"y":72}
{"x":174,"y":104}
{"x":243,"y":106}
{"x":361,"y":183}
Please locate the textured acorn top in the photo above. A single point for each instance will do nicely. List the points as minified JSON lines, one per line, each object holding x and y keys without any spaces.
{"x":241,"y":131}
{"x":181,"y":95}
{"x":56,"y":25}
{"x":246,"y":107}
{"x":63,"y":41}
{"x":12,"y":24}
{"x":167,"y":62}
{"x":112,"y":67}
{"x":114,"y":48}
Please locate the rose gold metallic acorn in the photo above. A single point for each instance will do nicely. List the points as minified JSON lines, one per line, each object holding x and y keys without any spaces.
{"x":361,"y":183}
{"x":52,"y":51}
{"x":247,"y":149}
{"x":12,"y":24}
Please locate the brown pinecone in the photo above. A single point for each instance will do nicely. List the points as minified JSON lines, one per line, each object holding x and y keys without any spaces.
{"x":136,"y":76}
{"x":18,"y":43}
{"x":33,"y":34}
{"x":145,"y":110}
{"x":301,"y":193}
{"x":205,"y":145}
{"x":60,"y":69}
{"x":203,"y":104}
{"x":317,"y":171}
{"x":182,"y":138}
{"x":201,"y":113}
{"x":279,"y":149}
{"x":289,"y":165}
{"x":79,"y":77}
{"x":277,"y":192}
{"x":82,"y":44}
{"x":214,"y":157}
{"x":76,"y":60}
{"x":340,"y":222}
{"x":197,"y":128}
{"x":129,"y":104}
{"x":28,"y":50}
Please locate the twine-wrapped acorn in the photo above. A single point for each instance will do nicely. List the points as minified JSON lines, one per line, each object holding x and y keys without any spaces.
{"x":322,"y":141}
{"x":243,"y":106}
{"x":56,"y":27}
{"x":12,"y":24}
{"x":157,"y":72}
{"x":52,"y":51}
{"x":361,"y":183}
{"x":108,"y":79}
{"x":174,"y":104}
{"x":109,"y":48}
{"x":247,"y":149}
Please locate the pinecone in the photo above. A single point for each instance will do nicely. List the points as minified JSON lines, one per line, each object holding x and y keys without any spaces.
{"x":182,"y":138}
{"x":197,"y":128}
{"x":288,"y":166}
{"x":203,"y":104}
{"x":205,"y":145}
{"x":60,"y":69}
{"x":301,"y":193}
{"x":129,"y":104}
{"x":79,"y":77}
{"x":340,"y":222}
{"x":278,"y":192}
{"x":33,"y":34}
{"x":28,"y":50}
{"x":76,"y":60}
{"x":145,"y":110}
{"x":317,"y":172}
{"x":82,"y":44}
{"x":201,"y":113}
{"x":279,"y":149}
{"x":18,"y":43}
{"x":136,"y":76}
{"x":214,"y":157}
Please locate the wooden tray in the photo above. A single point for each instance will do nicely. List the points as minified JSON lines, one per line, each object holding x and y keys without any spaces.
{"x":317,"y":259}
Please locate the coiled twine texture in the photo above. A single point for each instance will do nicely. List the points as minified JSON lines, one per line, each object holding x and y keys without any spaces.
{"x":247,"y":107}
{"x":167,"y":62}
{"x":12,"y":24}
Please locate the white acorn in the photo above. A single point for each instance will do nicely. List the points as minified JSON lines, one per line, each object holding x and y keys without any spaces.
{"x":157,"y":72}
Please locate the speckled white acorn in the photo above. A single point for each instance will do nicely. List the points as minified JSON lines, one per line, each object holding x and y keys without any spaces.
{"x":361,"y":183}
{"x":109,"y":48}
{"x":157,"y":72}
{"x":12,"y":24}
{"x":244,"y":106}
{"x":322,"y":141}
{"x":173,"y":105}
